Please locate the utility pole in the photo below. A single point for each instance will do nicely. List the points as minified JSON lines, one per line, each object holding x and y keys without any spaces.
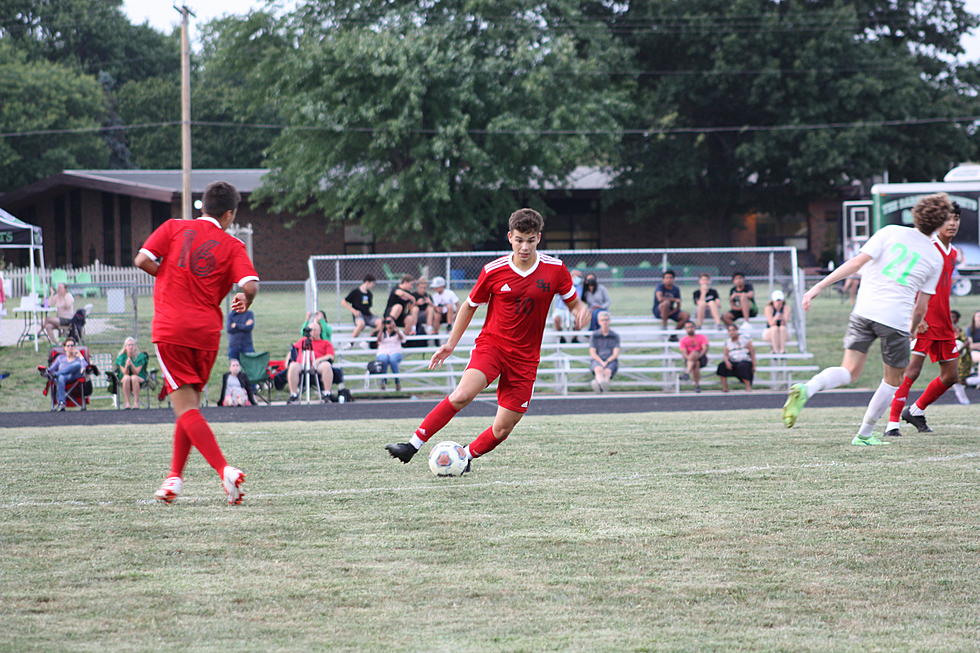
{"x":185,"y":112}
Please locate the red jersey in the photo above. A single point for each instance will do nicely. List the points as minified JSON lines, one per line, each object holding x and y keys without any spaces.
{"x":937,"y":315}
{"x":519,"y":303}
{"x":199,"y":262}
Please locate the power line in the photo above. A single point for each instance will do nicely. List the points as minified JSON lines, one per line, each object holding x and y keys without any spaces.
{"x":646,"y":131}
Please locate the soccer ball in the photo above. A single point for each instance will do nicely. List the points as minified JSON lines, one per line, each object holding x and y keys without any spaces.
{"x":447,"y":459}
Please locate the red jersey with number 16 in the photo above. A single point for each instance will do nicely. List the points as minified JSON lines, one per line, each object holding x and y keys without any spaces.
{"x":519,"y":302}
{"x":199,"y":262}
{"x":937,"y":315}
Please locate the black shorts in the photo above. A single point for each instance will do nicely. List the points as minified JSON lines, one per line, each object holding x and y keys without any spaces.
{"x":741,"y":370}
{"x":734,"y":315}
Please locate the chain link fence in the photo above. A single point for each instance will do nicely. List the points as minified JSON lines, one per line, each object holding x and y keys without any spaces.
{"x":629,"y":275}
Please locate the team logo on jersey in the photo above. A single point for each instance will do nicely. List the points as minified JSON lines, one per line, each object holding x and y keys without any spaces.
{"x":524,"y":405}
{"x":505,"y":288}
{"x":543,"y":285}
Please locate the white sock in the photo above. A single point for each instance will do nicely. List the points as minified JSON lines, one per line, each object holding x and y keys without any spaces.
{"x":828,"y":379}
{"x":469,"y":456}
{"x":416,"y":442}
{"x":892,"y":425}
{"x":960,"y":391}
{"x":915,"y":410}
{"x":880,"y":402}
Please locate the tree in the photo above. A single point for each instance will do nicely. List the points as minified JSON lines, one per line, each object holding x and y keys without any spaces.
{"x":45,"y":96}
{"x":423,"y":119}
{"x":786,"y":76}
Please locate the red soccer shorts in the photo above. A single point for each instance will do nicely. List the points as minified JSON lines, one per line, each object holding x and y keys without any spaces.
{"x":938,"y":350}
{"x":184,"y":366}
{"x":516,"y":380}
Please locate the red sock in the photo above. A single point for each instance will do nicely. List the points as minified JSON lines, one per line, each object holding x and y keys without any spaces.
{"x":202,"y":437}
{"x":437,"y":418}
{"x":933,"y":391}
{"x":901,"y":396}
{"x":182,"y":447}
{"x":484,"y":443}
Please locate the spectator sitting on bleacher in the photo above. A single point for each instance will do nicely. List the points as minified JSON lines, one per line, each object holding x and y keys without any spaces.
{"x":738,"y":360}
{"x":596,"y":297}
{"x":694,"y":349}
{"x":130,"y":367}
{"x":741,"y":298}
{"x":778,"y":315}
{"x":326,"y":331}
{"x":561,"y":317}
{"x":604,"y":351}
{"x":67,"y":367}
{"x":236,"y":390}
{"x":390,"y":350}
{"x":64,"y":303}
{"x":706,"y":300}
{"x":401,"y":304}
{"x":667,"y":303}
{"x":445,"y":303}
{"x":323,"y":355}
{"x":424,"y":311}
{"x":358,"y":302}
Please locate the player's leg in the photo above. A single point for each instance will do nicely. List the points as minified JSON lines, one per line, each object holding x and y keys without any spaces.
{"x":895,"y":357}
{"x":909,"y":377}
{"x":503,"y":423}
{"x":471,"y":384}
{"x":947,"y":377}
{"x":860,"y":334}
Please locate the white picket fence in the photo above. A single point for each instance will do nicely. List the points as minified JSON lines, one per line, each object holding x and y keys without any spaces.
{"x":16,"y":280}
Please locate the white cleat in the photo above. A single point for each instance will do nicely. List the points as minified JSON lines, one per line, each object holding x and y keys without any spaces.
{"x":232,"y":479}
{"x":169,"y":490}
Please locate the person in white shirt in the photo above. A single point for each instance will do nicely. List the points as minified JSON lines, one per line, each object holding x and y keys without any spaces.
{"x":899,"y":270}
{"x":445,"y":302}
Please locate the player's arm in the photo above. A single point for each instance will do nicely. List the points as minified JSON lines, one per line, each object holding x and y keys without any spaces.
{"x":844,"y":271}
{"x":147,"y":264}
{"x":919,"y":312}
{"x":460,"y":324}
{"x":244,"y":298}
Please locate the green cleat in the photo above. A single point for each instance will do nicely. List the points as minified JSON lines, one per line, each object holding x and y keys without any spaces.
{"x":794,"y":404}
{"x":871,"y":441}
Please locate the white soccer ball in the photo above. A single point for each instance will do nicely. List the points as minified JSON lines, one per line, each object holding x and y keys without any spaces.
{"x":447,"y":459}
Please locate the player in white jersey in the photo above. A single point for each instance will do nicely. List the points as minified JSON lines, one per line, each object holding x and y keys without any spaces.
{"x":899,"y":270}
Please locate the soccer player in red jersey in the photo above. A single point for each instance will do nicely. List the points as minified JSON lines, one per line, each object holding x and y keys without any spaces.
{"x":936,"y":337}
{"x":195,"y":264}
{"x":518,"y":289}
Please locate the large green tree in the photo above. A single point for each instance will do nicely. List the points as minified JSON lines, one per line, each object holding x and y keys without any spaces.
{"x":42,"y":96}
{"x":422,"y":119}
{"x":788,"y":101}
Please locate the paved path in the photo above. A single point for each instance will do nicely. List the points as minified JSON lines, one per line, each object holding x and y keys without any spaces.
{"x":417,"y":408}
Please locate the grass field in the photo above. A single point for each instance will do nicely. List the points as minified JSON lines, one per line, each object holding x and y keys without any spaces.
{"x":279,"y":313}
{"x":680,"y":532}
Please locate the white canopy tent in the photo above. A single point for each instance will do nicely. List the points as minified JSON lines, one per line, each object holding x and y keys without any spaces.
{"x":15,"y":234}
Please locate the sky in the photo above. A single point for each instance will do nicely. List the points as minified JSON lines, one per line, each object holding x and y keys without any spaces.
{"x":162,"y":15}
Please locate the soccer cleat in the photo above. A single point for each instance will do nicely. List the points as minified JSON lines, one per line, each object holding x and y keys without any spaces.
{"x":918,"y":421}
{"x":871,"y":441}
{"x":232,"y":480}
{"x":468,"y":465}
{"x":893,"y":433}
{"x":292,"y":399}
{"x":169,"y":490}
{"x":403,"y":451}
{"x":795,"y":401}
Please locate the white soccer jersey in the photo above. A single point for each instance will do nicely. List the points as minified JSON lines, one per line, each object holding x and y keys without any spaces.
{"x":903,"y":262}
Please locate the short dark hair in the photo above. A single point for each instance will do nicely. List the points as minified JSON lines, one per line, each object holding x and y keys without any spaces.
{"x":526,"y":221}
{"x":406,"y":278}
{"x":931,"y":211}
{"x":738,"y":274}
{"x":955,"y":314}
{"x":691,"y":322}
{"x":219,"y":198}
{"x":666,"y":272}
{"x":369,"y":278}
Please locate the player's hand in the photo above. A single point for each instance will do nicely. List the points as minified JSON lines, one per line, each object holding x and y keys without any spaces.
{"x":238,"y":303}
{"x":582,"y":317}
{"x":808,"y":297}
{"x":923,"y":327}
{"x":440,"y":355}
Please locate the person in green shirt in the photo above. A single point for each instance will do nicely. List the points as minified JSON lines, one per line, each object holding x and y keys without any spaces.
{"x":131,"y":372}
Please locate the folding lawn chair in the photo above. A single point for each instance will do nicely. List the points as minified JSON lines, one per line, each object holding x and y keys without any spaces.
{"x":256,"y":368}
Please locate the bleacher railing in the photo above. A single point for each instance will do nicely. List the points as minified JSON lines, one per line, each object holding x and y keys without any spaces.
{"x":626,"y":273}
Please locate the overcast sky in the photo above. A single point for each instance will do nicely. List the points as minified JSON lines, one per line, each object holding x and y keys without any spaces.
{"x":162,"y":15}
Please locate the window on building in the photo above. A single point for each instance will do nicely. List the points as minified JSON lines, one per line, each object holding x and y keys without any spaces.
{"x":358,"y":240}
{"x":787,"y":231}
{"x":574,"y":225}
{"x":60,"y":232}
{"x":125,"y":230}
{"x":159,"y":213}
{"x":108,"y":229}
{"x":75,"y":220}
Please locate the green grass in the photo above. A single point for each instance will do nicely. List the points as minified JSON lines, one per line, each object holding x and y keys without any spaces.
{"x":278,"y":316}
{"x":594,"y":533}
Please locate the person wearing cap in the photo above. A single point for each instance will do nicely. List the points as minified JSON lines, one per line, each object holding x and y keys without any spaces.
{"x":778,"y":315}
{"x":444,"y":302}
